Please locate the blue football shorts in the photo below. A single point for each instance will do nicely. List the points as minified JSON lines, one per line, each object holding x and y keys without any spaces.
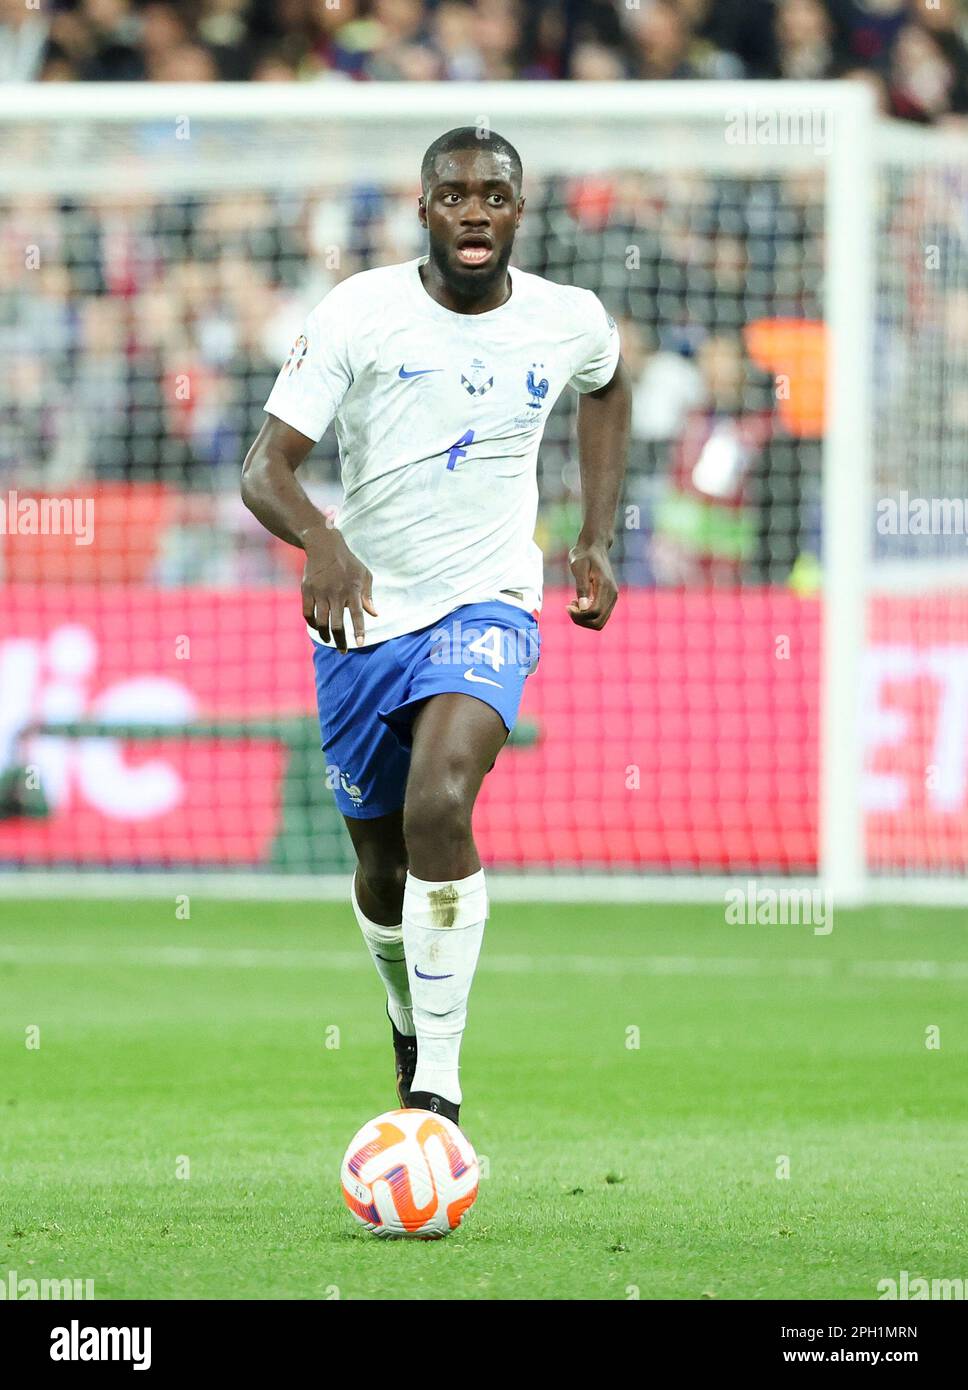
{"x":368,"y":697}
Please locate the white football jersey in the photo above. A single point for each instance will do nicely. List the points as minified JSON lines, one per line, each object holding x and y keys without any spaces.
{"x":438,"y":418}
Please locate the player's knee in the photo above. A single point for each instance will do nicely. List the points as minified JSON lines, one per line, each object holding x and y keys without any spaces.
{"x":438,"y":814}
{"x":384,"y":881}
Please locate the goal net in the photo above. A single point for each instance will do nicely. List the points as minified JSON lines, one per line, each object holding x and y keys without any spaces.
{"x":787,"y":280}
{"x":914,"y":723}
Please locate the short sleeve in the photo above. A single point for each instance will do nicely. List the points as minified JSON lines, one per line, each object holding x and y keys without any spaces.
{"x":316,"y":375}
{"x":598,"y":347}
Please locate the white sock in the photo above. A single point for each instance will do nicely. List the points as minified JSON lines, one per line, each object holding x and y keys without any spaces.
{"x":443,"y":927}
{"x":386,"y":948}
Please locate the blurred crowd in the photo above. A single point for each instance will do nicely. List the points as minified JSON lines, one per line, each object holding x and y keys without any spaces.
{"x":142,"y":339}
{"x":142,"y":347}
{"x":913,"y":50}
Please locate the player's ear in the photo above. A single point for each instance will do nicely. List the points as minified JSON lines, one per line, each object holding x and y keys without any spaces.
{"x":422,"y":210}
{"x":520,"y":212}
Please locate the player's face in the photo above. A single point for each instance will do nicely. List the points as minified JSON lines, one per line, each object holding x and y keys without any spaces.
{"x":471,"y":211}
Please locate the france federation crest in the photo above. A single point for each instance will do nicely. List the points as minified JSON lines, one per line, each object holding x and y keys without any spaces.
{"x":475,"y":380}
{"x":536,"y":389}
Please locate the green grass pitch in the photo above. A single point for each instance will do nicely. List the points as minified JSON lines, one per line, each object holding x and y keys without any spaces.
{"x":614,"y":1170}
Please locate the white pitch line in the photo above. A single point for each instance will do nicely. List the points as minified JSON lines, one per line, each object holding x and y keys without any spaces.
{"x":612,"y":967}
{"x":565,"y":886}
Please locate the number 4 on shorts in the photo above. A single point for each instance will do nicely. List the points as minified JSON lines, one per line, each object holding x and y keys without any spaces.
{"x":488,"y":648}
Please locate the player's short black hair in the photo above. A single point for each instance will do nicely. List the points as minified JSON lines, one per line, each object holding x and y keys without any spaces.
{"x":469,"y":137}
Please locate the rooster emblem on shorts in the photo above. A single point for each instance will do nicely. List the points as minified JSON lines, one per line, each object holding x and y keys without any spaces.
{"x":351,"y":789}
{"x":537,"y":389}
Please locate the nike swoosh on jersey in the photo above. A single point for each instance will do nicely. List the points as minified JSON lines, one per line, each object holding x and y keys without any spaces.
{"x":481,"y":680}
{"x":418,"y":971}
{"x":421,"y":371}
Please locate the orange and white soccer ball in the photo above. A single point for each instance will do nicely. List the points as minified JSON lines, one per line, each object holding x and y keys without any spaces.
{"x":410,"y":1173}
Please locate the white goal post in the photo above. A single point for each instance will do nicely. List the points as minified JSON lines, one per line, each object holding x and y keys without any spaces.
{"x":61,"y":141}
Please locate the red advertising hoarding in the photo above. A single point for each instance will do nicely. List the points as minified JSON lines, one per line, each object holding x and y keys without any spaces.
{"x":683,"y":737}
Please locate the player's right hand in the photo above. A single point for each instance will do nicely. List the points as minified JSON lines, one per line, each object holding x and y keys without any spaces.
{"x":334,"y":580}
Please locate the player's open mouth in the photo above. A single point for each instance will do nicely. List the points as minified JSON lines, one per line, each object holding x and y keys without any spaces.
{"x":474,"y":253}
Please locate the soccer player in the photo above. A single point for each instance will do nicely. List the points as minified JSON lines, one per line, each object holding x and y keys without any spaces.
{"x":440,"y":374}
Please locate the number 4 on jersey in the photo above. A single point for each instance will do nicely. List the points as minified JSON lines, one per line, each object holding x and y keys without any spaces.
{"x":457,"y":451}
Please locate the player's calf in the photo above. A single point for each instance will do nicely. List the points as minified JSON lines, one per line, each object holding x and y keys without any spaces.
{"x":385,"y":944}
{"x":443,"y":928}
{"x":456,"y":739}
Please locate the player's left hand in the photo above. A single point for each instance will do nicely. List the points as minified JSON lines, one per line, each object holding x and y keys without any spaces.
{"x":595,"y":587}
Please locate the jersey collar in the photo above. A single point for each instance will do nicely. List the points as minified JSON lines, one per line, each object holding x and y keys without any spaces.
{"x":430,"y":305}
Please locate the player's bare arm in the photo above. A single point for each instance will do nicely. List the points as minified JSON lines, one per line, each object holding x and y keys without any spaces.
{"x":603,"y":437}
{"x":334,"y":580}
